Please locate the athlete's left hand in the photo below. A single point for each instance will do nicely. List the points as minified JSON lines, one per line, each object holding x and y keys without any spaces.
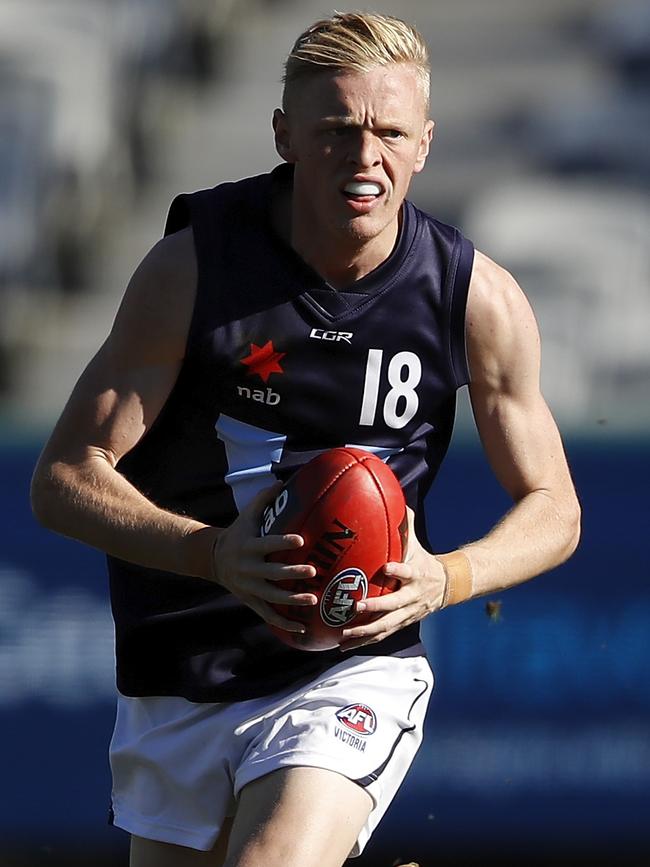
{"x":422,"y":580}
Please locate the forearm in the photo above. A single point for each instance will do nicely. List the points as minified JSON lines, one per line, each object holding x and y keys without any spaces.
{"x":93,"y":503}
{"x":538,"y":533}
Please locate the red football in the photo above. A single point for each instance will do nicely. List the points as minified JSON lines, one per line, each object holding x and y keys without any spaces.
{"x":349,"y":508}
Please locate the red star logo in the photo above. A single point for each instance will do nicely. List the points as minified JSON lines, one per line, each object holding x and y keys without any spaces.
{"x":263,"y":360}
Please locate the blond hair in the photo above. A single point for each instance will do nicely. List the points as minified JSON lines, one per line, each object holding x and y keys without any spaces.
{"x":356,"y":42}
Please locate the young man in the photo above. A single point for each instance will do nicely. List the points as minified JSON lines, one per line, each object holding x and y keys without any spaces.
{"x":281,"y":316}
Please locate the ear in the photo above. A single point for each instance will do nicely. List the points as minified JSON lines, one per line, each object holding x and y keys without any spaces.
{"x":282,"y":135}
{"x":423,"y":150}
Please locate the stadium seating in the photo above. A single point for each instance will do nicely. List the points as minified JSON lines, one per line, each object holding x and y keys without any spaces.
{"x":111,"y":106}
{"x":581,"y":253}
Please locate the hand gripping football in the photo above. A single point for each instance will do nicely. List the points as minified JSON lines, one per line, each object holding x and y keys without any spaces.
{"x":349,"y":508}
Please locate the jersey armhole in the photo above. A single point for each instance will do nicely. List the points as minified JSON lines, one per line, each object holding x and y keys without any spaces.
{"x":198,"y":211}
{"x":178,"y":216}
{"x":459,"y":280}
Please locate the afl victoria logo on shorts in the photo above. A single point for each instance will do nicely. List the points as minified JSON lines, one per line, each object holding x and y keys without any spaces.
{"x":337,"y":605}
{"x":359,"y":718}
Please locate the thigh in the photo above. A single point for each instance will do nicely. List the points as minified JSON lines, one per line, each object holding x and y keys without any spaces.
{"x":297,"y":817}
{"x":152,"y":853}
{"x":361,"y":720}
{"x":170,"y":761}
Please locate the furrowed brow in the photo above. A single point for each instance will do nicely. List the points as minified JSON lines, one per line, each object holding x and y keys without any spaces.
{"x":340,"y":119}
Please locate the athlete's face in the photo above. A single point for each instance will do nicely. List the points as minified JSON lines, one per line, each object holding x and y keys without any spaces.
{"x":356,"y":140}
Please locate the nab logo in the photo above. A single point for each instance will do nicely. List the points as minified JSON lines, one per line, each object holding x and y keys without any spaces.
{"x":358,"y":717}
{"x":263,"y":361}
{"x":335,"y":336}
{"x":260,"y":395}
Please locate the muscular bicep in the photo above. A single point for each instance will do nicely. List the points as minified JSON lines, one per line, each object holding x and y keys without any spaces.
{"x":125,"y":386}
{"x":516,"y":427}
{"x":111,"y":406}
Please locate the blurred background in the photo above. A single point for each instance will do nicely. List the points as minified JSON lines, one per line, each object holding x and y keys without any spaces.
{"x":538,"y":740}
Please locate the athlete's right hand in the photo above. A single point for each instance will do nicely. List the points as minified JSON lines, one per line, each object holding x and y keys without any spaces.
{"x":240,"y":565}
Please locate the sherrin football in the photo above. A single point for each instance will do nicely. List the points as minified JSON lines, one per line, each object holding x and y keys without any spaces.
{"x":349,"y":508}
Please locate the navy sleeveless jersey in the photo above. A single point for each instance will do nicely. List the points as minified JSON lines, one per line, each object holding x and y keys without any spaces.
{"x":280,"y":366}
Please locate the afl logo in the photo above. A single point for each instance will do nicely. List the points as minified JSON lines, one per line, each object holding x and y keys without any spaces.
{"x":358,"y":717}
{"x":339,"y":597}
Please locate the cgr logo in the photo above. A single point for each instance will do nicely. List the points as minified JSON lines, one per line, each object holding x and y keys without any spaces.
{"x":340,"y":595}
{"x":358,"y":717}
{"x":334,"y":336}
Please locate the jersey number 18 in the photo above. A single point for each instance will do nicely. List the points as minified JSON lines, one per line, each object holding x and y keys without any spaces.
{"x":404,"y":375}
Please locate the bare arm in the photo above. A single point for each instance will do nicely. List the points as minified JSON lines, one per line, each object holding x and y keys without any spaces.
{"x":519,"y":435}
{"x":76,"y":488}
{"x":523,"y":446}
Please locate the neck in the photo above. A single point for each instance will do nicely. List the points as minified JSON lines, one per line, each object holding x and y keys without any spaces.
{"x":343,"y":260}
{"x":339,"y":257}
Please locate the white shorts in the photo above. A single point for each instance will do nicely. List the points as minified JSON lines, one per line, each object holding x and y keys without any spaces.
{"x":178,"y":766}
